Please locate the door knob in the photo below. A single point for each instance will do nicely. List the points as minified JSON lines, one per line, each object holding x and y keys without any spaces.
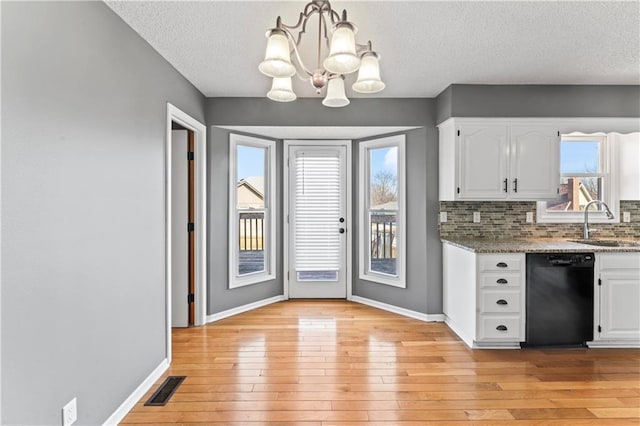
{"x":342,"y":231}
{"x":341,"y":220}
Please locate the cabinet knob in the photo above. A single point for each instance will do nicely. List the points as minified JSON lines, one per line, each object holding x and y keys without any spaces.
{"x":502,"y":281}
{"x":502,"y":302}
{"x":502,"y":265}
{"x":501,"y":328}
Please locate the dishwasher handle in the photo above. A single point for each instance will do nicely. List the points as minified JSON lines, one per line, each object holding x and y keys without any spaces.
{"x":560,"y":262}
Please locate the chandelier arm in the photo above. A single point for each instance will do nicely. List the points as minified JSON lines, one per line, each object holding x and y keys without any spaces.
{"x":299,"y":62}
{"x":326,"y":33}
{"x":361,"y":48}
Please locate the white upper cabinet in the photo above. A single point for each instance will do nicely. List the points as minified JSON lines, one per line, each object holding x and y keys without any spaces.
{"x":488,"y":159}
{"x":483,"y":162}
{"x":535,"y":162}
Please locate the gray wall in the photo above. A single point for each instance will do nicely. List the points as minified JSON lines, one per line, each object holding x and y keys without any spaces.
{"x":466,"y":100}
{"x":424,"y":255}
{"x":83,"y":285}
{"x":221,"y":297}
{"x":424,"y":290}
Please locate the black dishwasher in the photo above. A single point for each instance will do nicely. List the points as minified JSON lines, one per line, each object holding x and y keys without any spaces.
{"x":559,"y":299}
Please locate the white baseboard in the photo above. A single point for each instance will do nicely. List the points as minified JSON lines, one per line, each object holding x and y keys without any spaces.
{"x":462,"y":335}
{"x":397,"y":310}
{"x":614,"y":344}
{"x":132,"y":399}
{"x":244,"y":308}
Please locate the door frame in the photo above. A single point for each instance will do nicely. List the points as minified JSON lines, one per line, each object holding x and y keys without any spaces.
{"x":285,"y":200}
{"x":174,"y":114}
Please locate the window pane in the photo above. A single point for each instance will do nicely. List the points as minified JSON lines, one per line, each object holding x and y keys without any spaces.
{"x":250,"y":172}
{"x":318,"y":276}
{"x":383,"y":178}
{"x":251,"y":254}
{"x":250,"y":188}
{"x":576,"y":192}
{"x":383,"y":242}
{"x":579,"y":157}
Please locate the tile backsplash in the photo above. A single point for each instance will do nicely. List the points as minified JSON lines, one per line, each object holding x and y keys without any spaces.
{"x":507,"y":219}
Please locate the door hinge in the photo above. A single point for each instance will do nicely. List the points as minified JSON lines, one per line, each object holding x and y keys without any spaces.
{"x":190,"y":227}
{"x":287,"y":275}
{"x":599,"y":281}
{"x":599,"y":329}
{"x":558,"y":190}
{"x":191,"y":298}
{"x":190,"y":155}
{"x":458,"y":190}
{"x":558,"y":132}
{"x":287,"y":218}
{"x":458,"y":132}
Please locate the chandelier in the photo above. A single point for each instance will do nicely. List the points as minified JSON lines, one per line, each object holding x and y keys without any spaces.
{"x":283,"y":60}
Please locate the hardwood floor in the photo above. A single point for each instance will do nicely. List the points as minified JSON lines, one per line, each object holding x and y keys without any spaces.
{"x":342,"y":363}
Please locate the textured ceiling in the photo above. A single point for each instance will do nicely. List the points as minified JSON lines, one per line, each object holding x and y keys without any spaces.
{"x":425,"y":45}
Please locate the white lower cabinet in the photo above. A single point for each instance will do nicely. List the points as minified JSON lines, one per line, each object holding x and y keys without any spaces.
{"x":617,"y":307}
{"x":484,"y":296}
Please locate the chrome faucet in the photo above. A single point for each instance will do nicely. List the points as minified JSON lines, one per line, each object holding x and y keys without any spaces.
{"x":585,"y":233}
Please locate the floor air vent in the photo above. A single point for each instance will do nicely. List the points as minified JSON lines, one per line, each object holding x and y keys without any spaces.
{"x":165,"y":391}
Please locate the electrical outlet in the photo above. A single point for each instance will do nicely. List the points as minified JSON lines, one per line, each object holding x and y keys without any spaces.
{"x":529,"y":217}
{"x":626,"y":217}
{"x":443,"y":217}
{"x":476,"y":217}
{"x":70,"y":413}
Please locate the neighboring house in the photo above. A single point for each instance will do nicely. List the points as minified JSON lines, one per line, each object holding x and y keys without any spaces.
{"x":251,"y":192}
{"x":574,"y":195}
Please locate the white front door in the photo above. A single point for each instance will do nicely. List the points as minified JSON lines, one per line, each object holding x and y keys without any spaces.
{"x":318,"y":222}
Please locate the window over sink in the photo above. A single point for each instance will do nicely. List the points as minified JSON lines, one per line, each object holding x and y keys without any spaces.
{"x":585,"y":173}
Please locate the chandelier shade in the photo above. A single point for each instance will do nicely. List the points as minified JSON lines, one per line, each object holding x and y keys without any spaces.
{"x":336,"y":96}
{"x":282,"y":59}
{"x":369,"y":75}
{"x":277,"y":61}
{"x":281,"y":90}
{"x":342,"y":57}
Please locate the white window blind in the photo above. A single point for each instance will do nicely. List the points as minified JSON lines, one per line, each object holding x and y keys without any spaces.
{"x":317,"y":211}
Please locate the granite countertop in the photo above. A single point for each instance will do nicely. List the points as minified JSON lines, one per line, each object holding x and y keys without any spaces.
{"x":540,"y":245}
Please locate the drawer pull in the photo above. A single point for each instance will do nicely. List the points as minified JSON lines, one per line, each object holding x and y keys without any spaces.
{"x":501,"y":328}
{"x":502,"y":302}
{"x":502,"y":265}
{"x":502,"y":281}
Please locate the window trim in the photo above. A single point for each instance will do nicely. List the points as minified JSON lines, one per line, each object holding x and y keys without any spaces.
{"x":608,"y":160}
{"x":270,"y":212}
{"x":365,"y":272}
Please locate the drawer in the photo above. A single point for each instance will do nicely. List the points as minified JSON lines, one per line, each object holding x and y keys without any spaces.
{"x":499,"y":327}
{"x":500,"y":279}
{"x":500,"y":262}
{"x":497,"y":301}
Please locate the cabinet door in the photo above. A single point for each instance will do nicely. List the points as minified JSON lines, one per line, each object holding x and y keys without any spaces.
{"x":483,"y":162}
{"x":535,"y":163}
{"x":619,"y":300}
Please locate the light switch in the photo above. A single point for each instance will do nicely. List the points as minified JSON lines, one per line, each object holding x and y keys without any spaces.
{"x":443,"y":217}
{"x":476,"y":217}
{"x":529,"y":217}
{"x":626,"y":217}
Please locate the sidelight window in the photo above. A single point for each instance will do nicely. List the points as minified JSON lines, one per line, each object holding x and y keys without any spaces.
{"x":382,"y":210}
{"x":251,"y":213}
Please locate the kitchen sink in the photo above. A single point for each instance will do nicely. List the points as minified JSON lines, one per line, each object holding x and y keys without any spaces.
{"x":609,"y":243}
